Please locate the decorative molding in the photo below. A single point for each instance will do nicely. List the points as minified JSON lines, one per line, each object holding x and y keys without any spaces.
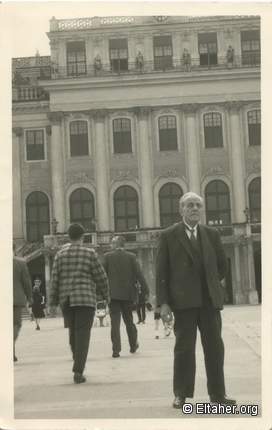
{"x":189,"y":109}
{"x":123,"y":175}
{"x":185,"y":35}
{"x":80,"y":177}
{"x":212,"y":108}
{"x":98,"y":114}
{"x":170,"y":171}
{"x":142,"y":112}
{"x":96,"y":41}
{"x":32,"y":108}
{"x":48,"y":130}
{"x":161,"y":18}
{"x":256,"y":168}
{"x":55,"y":117}
{"x":234,"y":107}
{"x":18,"y":131}
{"x":215,"y":170}
{"x":228,"y":33}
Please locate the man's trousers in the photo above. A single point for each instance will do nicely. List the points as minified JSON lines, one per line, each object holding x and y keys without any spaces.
{"x":208,"y":321}
{"x":79,"y":320}
{"x":118,"y":307}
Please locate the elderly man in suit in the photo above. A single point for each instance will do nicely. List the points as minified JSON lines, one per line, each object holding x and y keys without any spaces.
{"x":123,"y":270}
{"x":190,"y":264}
{"x":22,"y":292}
{"x":76,"y":278}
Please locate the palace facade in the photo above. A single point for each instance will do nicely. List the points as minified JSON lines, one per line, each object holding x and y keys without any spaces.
{"x":125,"y":116}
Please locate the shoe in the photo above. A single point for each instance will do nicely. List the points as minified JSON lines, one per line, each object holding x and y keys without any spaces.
{"x":178,"y":402}
{"x":134,"y":348}
{"x":15,"y":359}
{"x":38,"y":328}
{"x":139,"y":322}
{"x":157,"y":337}
{"x":143,"y":322}
{"x":225,"y":400}
{"x":115,"y":354}
{"x":79,"y":378}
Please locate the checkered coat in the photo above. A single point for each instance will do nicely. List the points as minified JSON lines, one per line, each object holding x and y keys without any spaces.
{"x":78,"y":273}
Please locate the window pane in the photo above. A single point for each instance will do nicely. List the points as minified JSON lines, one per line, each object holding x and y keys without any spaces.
{"x":32,"y":214}
{"x":33,"y":233}
{"x":163,"y":122}
{"x":120,"y":224}
{"x":211,"y":203}
{"x":120,"y":193}
{"x":132,"y":223}
{"x":171,"y":121}
{"x":158,"y":51}
{"x":85,"y":194}
{"x":130,"y":192}
{"x":166,"y":221}
{"x":120,"y":208}
{"x":223,"y":202}
{"x":255,"y":200}
{"x":131,"y":208}
{"x":43,"y":229}
{"x":211,"y":187}
{"x":117,"y":125}
{"x":165,"y":190}
{"x":166,"y":206}
{"x":43,"y":213}
{"x":87,"y":210}
{"x":167,"y":50}
{"x":224,"y":217}
{"x":255,"y":185}
{"x":221,"y":186}
{"x":76,"y":210}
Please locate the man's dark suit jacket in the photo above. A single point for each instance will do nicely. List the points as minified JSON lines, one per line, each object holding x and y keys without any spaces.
{"x":123,"y":268}
{"x":177,"y":279}
{"x":22,"y":288}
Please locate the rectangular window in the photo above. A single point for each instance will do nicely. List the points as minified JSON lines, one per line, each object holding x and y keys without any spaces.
{"x":213,"y":130}
{"x":118,"y":54}
{"x":76,"y":58}
{"x":35,"y":145}
{"x":168,"y":133}
{"x":250,"y":41}
{"x":207,"y":47}
{"x":122,"y":136}
{"x":79,"y":138}
{"x":254,"y":127}
{"x":163,"y":52}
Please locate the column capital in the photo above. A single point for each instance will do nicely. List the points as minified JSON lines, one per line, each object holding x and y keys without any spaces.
{"x":55,"y":117}
{"x":142,"y":112}
{"x":48,"y":130}
{"x":98,"y":114}
{"x":189,"y":109}
{"x":234,"y":107}
{"x":18,"y":131}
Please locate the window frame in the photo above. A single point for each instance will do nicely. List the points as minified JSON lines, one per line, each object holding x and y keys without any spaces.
{"x":121,"y":62}
{"x":160,"y":133}
{"x":218,"y":210}
{"x":38,"y":223}
{"x":165,"y":60}
{"x":211,"y":56}
{"x":251,"y":53}
{"x":251,"y":209}
{"x":126,"y":216}
{"x":172,"y":214}
{"x":82,"y":220}
{"x":76,"y":61}
{"x":257,"y":126}
{"x":116,"y":134}
{"x":213,"y":137}
{"x":26,"y":131}
{"x":81,"y":120}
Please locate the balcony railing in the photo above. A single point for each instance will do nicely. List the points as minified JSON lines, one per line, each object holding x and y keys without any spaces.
{"x":157,"y":66}
{"x":25,"y":94}
{"x":31,"y":62}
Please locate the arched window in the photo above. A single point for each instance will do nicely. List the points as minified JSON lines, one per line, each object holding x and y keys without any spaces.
{"x":254,"y":191}
{"x":217,"y":203}
{"x":79,"y":138}
{"x":37,"y":216}
{"x":122,"y":136}
{"x":254,"y":127}
{"x":82,"y":208}
{"x":168,"y":133}
{"x":169,"y":197}
{"x":126,"y":208}
{"x":213,"y":130}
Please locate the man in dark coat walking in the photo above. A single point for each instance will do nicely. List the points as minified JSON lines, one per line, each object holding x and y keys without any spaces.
{"x":190,"y":264}
{"x":123,"y":270}
{"x":22,"y":292}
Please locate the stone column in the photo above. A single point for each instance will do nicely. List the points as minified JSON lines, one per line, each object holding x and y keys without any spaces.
{"x":140,"y":257}
{"x":237,"y":161}
{"x":16,"y":185}
{"x":252,"y":295}
{"x":240,"y":298}
{"x":145,"y":168}
{"x":47,"y":277}
{"x":245,"y":264}
{"x":192,"y":162}
{"x":101,"y":170}
{"x":57,"y":168}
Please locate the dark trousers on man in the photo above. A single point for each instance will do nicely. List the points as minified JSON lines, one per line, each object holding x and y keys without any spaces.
{"x":208,"y":321}
{"x":124,"y":308}
{"x":79,"y":320}
{"x":141,"y":309}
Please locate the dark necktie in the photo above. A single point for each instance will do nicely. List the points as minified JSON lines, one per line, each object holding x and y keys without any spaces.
{"x":192,"y":237}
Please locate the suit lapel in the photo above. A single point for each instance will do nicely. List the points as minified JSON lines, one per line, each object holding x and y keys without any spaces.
{"x":205,"y":244}
{"x":183,"y":238}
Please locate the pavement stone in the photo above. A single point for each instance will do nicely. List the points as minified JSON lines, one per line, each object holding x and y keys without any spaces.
{"x":134,"y":386}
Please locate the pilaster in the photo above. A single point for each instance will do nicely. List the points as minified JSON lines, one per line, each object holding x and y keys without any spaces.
{"x":16,"y":185}
{"x":240,"y":297}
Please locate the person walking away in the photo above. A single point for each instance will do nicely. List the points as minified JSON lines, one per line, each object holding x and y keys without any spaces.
{"x":123,"y":268}
{"x":38,"y":304}
{"x":76,"y":278}
{"x":190,"y":264}
{"x":22,"y":292}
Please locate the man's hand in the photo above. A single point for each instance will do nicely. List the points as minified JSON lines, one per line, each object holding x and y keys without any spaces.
{"x":166,"y":313}
{"x":30,"y":302}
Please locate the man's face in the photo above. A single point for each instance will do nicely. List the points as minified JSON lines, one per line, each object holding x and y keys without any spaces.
{"x":192,"y":210}
{"x":114,"y":243}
